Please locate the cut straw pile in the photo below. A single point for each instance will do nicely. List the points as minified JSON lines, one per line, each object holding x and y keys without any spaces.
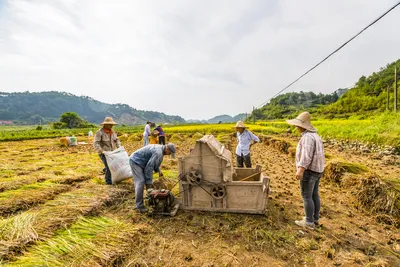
{"x":99,"y":241}
{"x":28,"y":196}
{"x":26,"y":228}
{"x":336,"y":169}
{"x":277,"y":143}
{"x":374,"y":194}
{"x":379,"y":196}
{"x":12,"y":183}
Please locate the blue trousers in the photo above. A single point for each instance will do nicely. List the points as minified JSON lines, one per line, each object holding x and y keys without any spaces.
{"x":145,"y":140}
{"x":107,"y":170}
{"x":140,"y":181}
{"x":309,"y":187}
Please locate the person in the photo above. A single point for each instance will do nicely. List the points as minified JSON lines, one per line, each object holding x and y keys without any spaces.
{"x":146,"y":133}
{"x":310,"y":160}
{"x":143,"y":162}
{"x":246,"y":140}
{"x":153,"y":138}
{"x":161,"y":135}
{"x":106,"y":139}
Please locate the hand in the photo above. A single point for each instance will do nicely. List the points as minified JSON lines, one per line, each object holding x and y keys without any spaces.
{"x":300,"y":173}
{"x":160,"y":174}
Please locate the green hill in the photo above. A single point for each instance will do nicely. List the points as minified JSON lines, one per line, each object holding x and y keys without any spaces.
{"x":35,"y":108}
{"x":367,"y":97}
{"x":289,"y":104}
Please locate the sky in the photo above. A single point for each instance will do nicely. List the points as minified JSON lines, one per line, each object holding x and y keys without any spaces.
{"x":196,"y":59}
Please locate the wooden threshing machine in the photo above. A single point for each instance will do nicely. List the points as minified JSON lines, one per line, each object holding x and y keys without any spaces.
{"x":209,"y":182}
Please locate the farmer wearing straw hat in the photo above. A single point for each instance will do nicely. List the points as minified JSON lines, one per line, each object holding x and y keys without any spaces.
{"x":310,"y":160}
{"x":106,"y":139}
{"x":245,"y":138}
{"x":143,"y":162}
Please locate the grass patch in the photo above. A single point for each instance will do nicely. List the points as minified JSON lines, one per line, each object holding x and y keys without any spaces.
{"x":28,"y":227}
{"x":99,"y":241}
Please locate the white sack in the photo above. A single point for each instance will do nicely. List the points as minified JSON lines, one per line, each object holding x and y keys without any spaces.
{"x":118,"y":163}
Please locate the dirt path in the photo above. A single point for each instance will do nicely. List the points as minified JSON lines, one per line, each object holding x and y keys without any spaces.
{"x":348,"y":237}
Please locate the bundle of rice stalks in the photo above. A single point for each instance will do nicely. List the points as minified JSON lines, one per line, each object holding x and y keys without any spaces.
{"x":135,"y":138}
{"x":123,"y":137}
{"x":224,"y":138}
{"x":335,"y":170}
{"x":29,"y":195}
{"x":379,"y":196}
{"x":176,"y":138}
{"x":26,"y":228}
{"x":277,"y":143}
{"x":99,"y":241}
{"x":70,"y":180}
{"x":197,"y":136}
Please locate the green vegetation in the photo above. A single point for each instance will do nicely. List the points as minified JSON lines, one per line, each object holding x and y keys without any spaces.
{"x":17,"y":133}
{"x":368,"y":97}
{"x":71,"y":120}
{"x":40,"y":108}
{"x":289,"y":104}
{"x":383,"y":129}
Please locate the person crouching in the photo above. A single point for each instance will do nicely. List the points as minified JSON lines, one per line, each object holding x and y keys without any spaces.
{"x":143,"y":162}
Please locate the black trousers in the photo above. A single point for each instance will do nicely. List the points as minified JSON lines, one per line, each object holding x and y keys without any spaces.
{"x":161,"y":140}
{"x":246,"y":159}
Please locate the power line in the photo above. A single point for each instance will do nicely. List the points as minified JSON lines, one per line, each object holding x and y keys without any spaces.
{"x":343,"y":45}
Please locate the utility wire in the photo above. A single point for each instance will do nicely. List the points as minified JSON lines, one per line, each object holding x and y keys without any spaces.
{"x":343,"y":45}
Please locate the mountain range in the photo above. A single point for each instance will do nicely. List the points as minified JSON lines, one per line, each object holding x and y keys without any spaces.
{"x":43,"y":107}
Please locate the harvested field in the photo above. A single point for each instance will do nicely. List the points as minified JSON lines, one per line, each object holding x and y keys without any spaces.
{"x":37,"y":224}
{"x":91,"y":224}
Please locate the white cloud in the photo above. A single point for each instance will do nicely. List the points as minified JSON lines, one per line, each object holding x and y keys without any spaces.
{"x":196,"y":59}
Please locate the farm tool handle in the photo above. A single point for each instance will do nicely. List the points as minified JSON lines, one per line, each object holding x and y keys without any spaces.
{"x":250,"y":176}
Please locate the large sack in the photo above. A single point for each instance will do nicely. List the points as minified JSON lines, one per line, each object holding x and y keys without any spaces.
{"x":118,"y":163}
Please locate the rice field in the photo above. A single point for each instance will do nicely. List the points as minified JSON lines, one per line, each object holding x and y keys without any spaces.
{"x":55,"y":210}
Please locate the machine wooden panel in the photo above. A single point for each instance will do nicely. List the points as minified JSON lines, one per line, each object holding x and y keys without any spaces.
{"x":210,"y":183}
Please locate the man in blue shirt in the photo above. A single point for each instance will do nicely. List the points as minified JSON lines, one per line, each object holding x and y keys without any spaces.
{"x":143,"y":162}
{"x":245,"y":138}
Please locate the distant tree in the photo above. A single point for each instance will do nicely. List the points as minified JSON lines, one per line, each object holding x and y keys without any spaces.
{"x":71,"y":119}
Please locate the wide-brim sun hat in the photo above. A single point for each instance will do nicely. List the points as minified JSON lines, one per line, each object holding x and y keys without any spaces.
{"x":108,"y":121}
{"x":239,"y":124}
{"x":303,"y":121}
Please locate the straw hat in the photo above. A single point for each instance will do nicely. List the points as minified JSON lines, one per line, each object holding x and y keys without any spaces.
{"x":108,"y":121}
{"x":240,"y":124}
{"x":303,"y":121}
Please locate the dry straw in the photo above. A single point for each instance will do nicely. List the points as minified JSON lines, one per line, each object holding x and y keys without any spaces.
{"x":26,"y":228}
{"x":99,"y":241}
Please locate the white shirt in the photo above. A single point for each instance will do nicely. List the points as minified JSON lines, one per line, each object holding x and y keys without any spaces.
{"x":244,"y":140}
{"x":146,"y":132}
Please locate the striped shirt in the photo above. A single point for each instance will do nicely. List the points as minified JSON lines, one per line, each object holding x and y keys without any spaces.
{"x":244,"y":140}
{"x":310,"y":152}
